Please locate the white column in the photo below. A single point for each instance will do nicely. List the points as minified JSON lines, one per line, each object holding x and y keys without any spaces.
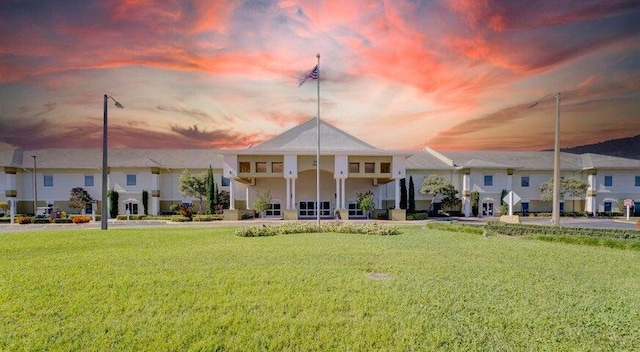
{"x":288,"y":206}
{"x":466,"y":200}
{"x":12,"y":209}
{"x":232,"y":196}
{"x":397,"y":194}
{"x":343,"y":198}
{"x":592,"y":204}
{"x":510,"y":189}
{"x":246,"y":197}
{"x":155,"y":205}
{"x":338,"y":193}
{"x":379,"y":198}
{"x":294,"y":204}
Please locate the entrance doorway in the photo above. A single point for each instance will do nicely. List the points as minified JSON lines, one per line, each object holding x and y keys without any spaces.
{"x":487,"y":209}
{"x":307,"y":209}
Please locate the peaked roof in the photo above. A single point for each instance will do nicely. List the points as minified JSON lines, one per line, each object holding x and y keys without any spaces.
{"x":303,"y":139}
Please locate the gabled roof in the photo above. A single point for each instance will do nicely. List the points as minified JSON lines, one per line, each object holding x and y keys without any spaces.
{"x":523,"y":160}
{"x":303,"y":139}
{"x":599,"y":161}
{"x":426,"y":160}
{"x":78,"y":158}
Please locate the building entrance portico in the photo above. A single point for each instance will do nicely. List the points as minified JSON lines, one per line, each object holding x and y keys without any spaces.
{"x":287,"y":167}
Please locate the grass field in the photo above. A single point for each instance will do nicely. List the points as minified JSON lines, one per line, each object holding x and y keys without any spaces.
{"x":207,"y":289}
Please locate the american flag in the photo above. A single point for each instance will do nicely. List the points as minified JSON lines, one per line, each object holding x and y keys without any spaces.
{"x":313,"y":74}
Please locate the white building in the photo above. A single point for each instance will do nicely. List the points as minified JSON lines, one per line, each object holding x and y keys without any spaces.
{"x":285,"y":166}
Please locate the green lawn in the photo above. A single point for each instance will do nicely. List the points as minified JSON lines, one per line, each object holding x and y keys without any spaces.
{"x":207,"y":289}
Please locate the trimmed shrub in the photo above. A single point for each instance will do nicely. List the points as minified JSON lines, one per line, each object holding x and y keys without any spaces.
{"x":80,"y":219}
{"x":207,"y":217}
{"x":180,"y":218}
{"x":307,"y":227}
{"x":525,"y":230}
{"x":63,"y":220}
{"x":417,"y":216}
{"x":23,"y":220}
{"x":131,"y":217}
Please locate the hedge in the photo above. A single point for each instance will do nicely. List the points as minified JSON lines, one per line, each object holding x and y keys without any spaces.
{"x":306,"y":227}
{"x":502,"y":228}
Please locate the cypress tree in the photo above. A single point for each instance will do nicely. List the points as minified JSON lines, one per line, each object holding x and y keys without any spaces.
{"x":211,"y":192}
{"x":403,"y":193}
{"x":412,"y":196}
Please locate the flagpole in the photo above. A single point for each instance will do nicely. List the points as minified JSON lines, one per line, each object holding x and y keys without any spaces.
{"x":318,"y":152}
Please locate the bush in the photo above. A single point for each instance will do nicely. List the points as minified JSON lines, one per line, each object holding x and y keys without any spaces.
{"x":180,"y":218}
{"x":207,"y":217}
{"x":62,"y":220}
{"x":308,"y":227}
{"x":417,"y":216}
{"x":524,"y":230}
{"x":80,"y":219}
{"x":23,"y":220}
{"x":131,"y":217}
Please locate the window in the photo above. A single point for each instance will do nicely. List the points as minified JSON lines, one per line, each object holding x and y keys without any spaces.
{"x":369,"y":168}
{"x":354,"y":167}
{"x":225,"y":182}
{"x":245,"y":166}
{"x":88,"y":180}
{"x":276,"y":167}
{"x":488,"y":180}
{"x":261,"y":166}
{"x":608,"y":181}
{"x":131,"y":180}
{"x":524,"y":181}
{"x":385,"y":168}
{"x":607,"y":207}
{"x":637,"y":181}
{"x":48,"y":180}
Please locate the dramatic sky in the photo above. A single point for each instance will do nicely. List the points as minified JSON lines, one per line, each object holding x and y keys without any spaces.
{"x":451,"y":74}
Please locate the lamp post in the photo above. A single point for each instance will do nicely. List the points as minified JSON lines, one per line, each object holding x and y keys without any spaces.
{"x":103,"y":217}
{"x":35,"y":187}
{"x":555,"y":216}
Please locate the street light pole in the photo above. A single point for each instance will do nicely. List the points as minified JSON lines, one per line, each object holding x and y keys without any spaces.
{"x":104,"y":215}
{"x":35,"y":187}
{"x":555,"y":216}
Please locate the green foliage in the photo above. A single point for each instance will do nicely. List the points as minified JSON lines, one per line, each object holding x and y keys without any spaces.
{"x":262,"y":202}
{"x":417,"y":216}
{"x":145,"y":202}
{"x":525,"y":230}
{"x":180,"y":218}
{"x":436,"y":185}
{"x":113,"y":203}
{"x":403,"y":193}
{"x":570,"y":186}
{"x":475,"y":202}
{"x":207,"y":217}
{"x":308,"y":227}
{"x":131,"y":217}
{"x":4,"y":206}
{"x":193,"y":185}
{"x":503,"y":194}
{"x":79,"y":198}
{"x":211,"y":192}
{"x":411,"y":207}
{"x":365,"y":202}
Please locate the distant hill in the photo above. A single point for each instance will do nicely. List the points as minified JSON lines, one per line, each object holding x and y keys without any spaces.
{"x":628,"y":147}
